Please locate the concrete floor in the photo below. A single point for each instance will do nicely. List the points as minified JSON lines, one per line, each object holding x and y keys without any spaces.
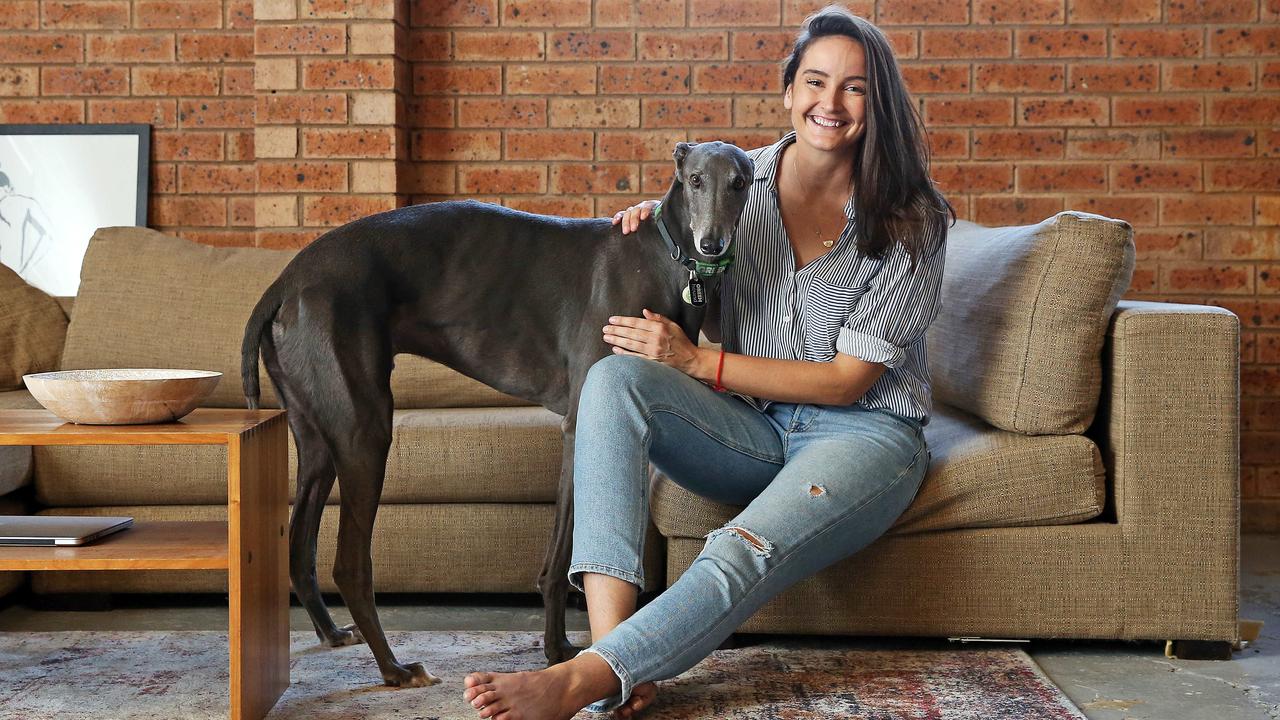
{"x":1107,"y":680}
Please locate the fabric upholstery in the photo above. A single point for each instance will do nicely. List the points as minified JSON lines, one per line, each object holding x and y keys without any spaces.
{"x":1056,"y":581}
{"x":32,"y":330}
{"x":1022,"y":319}
{"x":448,"y":455}
{"x":10,"y":581}
{"x":15,"y":460}
{"x":425,"y":548}
{"x":1170,"y":432}
{"x":979,"y":477}
{"x":151,"y":300}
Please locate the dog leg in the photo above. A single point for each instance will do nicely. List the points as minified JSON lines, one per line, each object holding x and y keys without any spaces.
{"x":344,"y":380}
{"x":553,"y":581}
{"x":353,"y":569}
{"x":315,"y":479}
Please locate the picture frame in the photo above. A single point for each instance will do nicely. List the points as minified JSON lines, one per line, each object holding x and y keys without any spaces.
{"x":58,"y":185}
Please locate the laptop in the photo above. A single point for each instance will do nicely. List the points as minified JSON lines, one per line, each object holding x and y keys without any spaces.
{"x":57,"y":529}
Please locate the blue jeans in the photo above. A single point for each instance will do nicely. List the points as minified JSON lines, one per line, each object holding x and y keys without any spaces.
{"x":819,"y":483}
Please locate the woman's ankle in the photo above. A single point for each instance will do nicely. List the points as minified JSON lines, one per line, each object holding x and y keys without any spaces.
{"x":591,"y":678}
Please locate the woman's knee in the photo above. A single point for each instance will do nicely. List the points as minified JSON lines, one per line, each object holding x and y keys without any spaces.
{"x":621,"y":376}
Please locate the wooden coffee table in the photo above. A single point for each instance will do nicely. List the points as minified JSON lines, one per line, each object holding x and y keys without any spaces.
{"x":250,"y":546}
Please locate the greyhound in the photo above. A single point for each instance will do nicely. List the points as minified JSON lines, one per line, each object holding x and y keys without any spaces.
{"x":511,"y":299}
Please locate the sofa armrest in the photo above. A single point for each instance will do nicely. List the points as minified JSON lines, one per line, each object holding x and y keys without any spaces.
{"x":1169,"y":429}
{"x":1169,"y":419}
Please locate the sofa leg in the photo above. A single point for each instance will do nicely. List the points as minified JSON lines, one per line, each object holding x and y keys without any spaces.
{"x":1198,"y":649}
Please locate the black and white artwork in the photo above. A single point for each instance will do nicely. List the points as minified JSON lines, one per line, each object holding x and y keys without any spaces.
{"x":59,"y":184}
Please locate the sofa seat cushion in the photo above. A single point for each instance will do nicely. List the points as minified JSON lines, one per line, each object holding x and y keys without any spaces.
{"x":1023,"y":313}
{"x":501,"y":455}
{"x":416,"y":549}
{"x":18,"y":400}
{"x":979,"y":477}
{"x":15,"y":460}
{"x":152,"y":300}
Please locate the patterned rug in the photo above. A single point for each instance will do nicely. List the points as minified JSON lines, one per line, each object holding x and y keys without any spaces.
{"x":181,"y":675}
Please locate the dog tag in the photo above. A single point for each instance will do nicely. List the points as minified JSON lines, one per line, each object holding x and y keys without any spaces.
{"x":695,"y":293}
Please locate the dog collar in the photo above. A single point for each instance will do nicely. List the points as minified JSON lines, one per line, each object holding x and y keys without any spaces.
{"x":702,"y":269}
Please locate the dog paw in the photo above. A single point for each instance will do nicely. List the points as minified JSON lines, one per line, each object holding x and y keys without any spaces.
{"x":346,"y":635}
{"x":411,"y":675}
{"x":562,"y":651}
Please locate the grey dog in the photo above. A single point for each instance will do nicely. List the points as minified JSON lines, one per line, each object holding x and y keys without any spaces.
{"x":514,"y":300}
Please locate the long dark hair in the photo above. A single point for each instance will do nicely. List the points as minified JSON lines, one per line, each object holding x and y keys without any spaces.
{"x":894,"y":196}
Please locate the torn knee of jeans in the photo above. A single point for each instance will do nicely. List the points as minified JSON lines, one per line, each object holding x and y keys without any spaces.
{"x":758,"y":545}
{"x":817,"y":490}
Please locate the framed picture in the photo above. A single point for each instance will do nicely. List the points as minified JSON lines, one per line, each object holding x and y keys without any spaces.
{"x":59,"y":184}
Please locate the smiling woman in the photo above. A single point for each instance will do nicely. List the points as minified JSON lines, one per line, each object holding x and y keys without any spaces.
{"x":809,"y":417}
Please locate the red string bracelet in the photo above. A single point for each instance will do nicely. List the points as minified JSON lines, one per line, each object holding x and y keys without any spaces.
{"x":719,"y":371}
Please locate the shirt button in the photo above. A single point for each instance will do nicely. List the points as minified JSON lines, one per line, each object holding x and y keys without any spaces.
{"x":786,"y":318}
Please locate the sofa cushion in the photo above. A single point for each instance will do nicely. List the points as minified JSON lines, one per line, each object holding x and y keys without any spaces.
{"x":152,"y":300}
{"x":979,"y":477}
{"x":448,"y":455}
{"x":1019,"y":333}
{"x":147,"y":299}
{"x":31,"y":332}
{"x":416,"y":548}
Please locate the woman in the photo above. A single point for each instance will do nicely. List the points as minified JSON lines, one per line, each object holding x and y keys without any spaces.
{"x":822,"y":320}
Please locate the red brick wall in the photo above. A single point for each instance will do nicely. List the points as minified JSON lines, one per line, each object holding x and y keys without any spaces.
{"x":1161,"y":112}
{"x":185,"y":67}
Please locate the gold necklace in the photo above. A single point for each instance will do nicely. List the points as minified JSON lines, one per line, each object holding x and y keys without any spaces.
{"x":817,"y":230}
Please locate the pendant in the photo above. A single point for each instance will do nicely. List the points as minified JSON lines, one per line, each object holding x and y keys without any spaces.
{"x":828,"y":243}
{"x":695,"y":293}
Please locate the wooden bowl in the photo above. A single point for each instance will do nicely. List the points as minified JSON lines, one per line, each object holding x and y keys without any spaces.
{"x":124,"y":396}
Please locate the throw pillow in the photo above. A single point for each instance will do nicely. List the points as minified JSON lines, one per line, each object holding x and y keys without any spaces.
{"x":1024,"y":312}
{"x":32,"y":329}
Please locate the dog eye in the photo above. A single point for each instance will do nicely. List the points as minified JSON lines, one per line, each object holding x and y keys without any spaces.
{"x":739,"y":183}
{"x":695,"y":180}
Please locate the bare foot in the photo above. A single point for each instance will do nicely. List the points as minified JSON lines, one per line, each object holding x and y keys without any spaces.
{"x":556,"y":693}
{"x":642,"y":696}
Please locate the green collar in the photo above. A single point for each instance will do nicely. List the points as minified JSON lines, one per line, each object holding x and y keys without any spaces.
{"x":702,"y":269}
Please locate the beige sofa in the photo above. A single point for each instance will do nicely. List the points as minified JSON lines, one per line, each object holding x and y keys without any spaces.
{"x":1085,"y":454}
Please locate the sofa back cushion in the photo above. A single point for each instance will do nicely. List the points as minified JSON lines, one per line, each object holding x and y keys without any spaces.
{"x":152,"y":300}
{"x":31,"y":332}
{"x":1024,"y":311}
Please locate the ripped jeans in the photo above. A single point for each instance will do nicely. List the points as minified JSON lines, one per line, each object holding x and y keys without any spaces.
{"x":819,"y":483}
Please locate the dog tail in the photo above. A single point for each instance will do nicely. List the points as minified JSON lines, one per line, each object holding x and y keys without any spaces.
{"x":258,"y":325}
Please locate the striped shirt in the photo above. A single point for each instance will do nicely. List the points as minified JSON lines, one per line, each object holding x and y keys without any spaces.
{"x":876,"y":310}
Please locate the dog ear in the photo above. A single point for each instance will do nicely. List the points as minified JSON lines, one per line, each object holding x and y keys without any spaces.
{"x":681,"y":152}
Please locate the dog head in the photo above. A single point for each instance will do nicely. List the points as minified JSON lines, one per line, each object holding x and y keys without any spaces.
{"x":715,"y":181}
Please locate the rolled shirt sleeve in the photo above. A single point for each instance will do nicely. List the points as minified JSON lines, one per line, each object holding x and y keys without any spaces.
{"x":896,"y":310}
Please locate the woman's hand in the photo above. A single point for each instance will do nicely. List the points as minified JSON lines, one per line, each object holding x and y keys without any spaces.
{"x":631,"y":217}
{"x":657,"y":338}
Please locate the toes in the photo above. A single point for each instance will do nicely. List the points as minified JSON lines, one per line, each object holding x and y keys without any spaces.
{"x":488,"y":697}
{"x":494,"y":710}
{"x":476,"y":678}
{"x":471,"y":692}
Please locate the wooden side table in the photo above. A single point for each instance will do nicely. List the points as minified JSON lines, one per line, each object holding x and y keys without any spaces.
{"x":251,"y":546}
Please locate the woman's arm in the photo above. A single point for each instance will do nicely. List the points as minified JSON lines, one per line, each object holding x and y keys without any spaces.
{"x":843,"y":381}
